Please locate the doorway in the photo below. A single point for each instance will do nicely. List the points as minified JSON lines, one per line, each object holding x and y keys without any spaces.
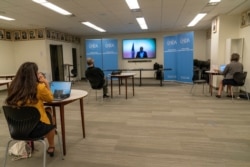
{"x":56,"y":57}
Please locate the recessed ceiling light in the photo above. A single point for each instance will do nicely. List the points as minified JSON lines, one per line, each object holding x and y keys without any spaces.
{"x":133,"y":4}
{"x":52,"y":7}
{"x":214,"y":2}
{"x":93,"y":26}
{"x":141,"y":21}
{"x":6,"y":18}
{"x":197,"y":18}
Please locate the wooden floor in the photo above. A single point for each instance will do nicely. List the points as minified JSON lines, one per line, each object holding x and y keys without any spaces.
{"x":158,"y":127}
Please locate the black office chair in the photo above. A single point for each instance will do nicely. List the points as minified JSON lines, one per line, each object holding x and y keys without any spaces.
{"x":73,"y":75}
{"x":197,"y":80}
{"x":94,"y":85}
{"x":239,"y":78}
{"x":21,"y":121}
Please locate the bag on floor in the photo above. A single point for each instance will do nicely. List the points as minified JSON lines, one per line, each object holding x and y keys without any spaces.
{"x":20,"y":150}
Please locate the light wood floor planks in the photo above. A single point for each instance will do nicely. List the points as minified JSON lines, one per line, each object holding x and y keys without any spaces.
{"x":158,"y":127}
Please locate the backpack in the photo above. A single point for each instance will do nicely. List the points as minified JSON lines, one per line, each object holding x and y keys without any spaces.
{"x":20,"y":150}
{"x":156,"y":66}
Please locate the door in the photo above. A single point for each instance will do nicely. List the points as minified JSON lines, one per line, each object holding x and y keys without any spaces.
{"x":56,"y":57}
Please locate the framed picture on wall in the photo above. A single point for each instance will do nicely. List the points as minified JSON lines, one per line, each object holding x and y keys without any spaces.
{"x":32,"y":34}
{"x":243,"y":22}
{"x":7,"y":35}
{"x":17,"y":35}
{"x":62,"y":36}
{"x":40,"y":33}
{"x":214,"y":25}
{"x":2,"y":35}
{"x":53,"y":35}
{"x":58,"y":36}
{"x":248,"y":17}
{"x":24,"y":35}
{"x":48,"y":34}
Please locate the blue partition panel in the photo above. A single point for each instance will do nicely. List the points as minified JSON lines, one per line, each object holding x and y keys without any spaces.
{"x":170,"y":53}
{"x":185,"y":57}
{"x":110,"y":54}
{"x":178,"y":55}
{"x":94,"y":50}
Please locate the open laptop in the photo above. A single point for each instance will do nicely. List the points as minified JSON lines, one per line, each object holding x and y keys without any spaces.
{"x":60,"y":89}
{"x":222,"y":67}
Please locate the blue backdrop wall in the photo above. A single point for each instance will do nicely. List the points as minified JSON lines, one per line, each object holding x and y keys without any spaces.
{"x":104,"y":52}
{"x":178,"y":55}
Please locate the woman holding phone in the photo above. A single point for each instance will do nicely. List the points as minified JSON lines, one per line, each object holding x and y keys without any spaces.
{"x":31,"y":88}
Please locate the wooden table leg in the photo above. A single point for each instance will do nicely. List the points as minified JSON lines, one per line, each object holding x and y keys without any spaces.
{"x":111,"y":85}
{"x":82,"y":117}
{"x":133,"y":85}
{"x":63,"y":128}
{"x":120,"y":81}
{"x":211,"y":84}
{"x":126,"y":87}
{"x":54,"y":114}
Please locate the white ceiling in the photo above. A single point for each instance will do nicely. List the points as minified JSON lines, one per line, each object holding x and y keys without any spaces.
{"x":114,"y":15}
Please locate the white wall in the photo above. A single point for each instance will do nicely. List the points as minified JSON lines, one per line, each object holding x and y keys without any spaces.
{"x":7,"y":63}
{"x":245,"y":33}
{"x":229,"y":27}
{"x":13,"y":54}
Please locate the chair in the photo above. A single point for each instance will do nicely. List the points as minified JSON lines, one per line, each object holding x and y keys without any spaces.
{"x":21,"y":121}
{"x":74,"y":75}
{"x":239,"y":78}
{"x":198,"y":79}
{"x":96,"y":91}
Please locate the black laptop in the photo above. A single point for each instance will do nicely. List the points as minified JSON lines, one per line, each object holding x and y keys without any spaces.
{"x":60,"y":89}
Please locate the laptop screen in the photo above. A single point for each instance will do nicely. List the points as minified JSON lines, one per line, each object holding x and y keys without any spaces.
{"x":222,"y":67}
{"x":60,"y":89}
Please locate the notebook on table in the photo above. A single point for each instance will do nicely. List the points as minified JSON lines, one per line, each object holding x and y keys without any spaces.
{"x":60,"y":89}
{"x":222,"y":67}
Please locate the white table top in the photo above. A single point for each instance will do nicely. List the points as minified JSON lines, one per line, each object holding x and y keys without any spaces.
{"x":7,"y":75}
{"x":5,"y":81}
{"x":212,"y":72}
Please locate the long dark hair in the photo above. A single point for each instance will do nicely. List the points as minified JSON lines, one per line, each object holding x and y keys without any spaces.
{"x":23,"y":88}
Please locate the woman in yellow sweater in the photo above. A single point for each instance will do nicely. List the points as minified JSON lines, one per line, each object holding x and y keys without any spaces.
{"x":31,"y":88}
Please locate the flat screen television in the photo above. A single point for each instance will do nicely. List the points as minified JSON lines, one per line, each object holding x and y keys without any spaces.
{"x":143,"y":48}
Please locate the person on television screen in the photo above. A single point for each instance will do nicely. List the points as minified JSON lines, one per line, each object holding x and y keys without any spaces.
{"x":96,"y":77}
{"x":141,"y":53}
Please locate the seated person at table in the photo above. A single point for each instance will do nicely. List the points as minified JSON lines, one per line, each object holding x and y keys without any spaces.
{"x":141,"y":53}
{"x":31,"y":88}
{"x":96,"y":77}
{"x":231,"y":68}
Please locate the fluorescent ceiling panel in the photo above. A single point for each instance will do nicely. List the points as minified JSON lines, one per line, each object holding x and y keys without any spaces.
{"x":93,"y":26}
{"x":197,"y":18}
{"x":141,"y":21}
{"x":52,"y":7}
{"x":6,"y":18}
{"x":132,"y":4}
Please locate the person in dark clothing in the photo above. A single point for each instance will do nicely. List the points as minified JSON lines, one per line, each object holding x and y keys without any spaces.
{"x":141,"y":53}
{"x":96,"y":77}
